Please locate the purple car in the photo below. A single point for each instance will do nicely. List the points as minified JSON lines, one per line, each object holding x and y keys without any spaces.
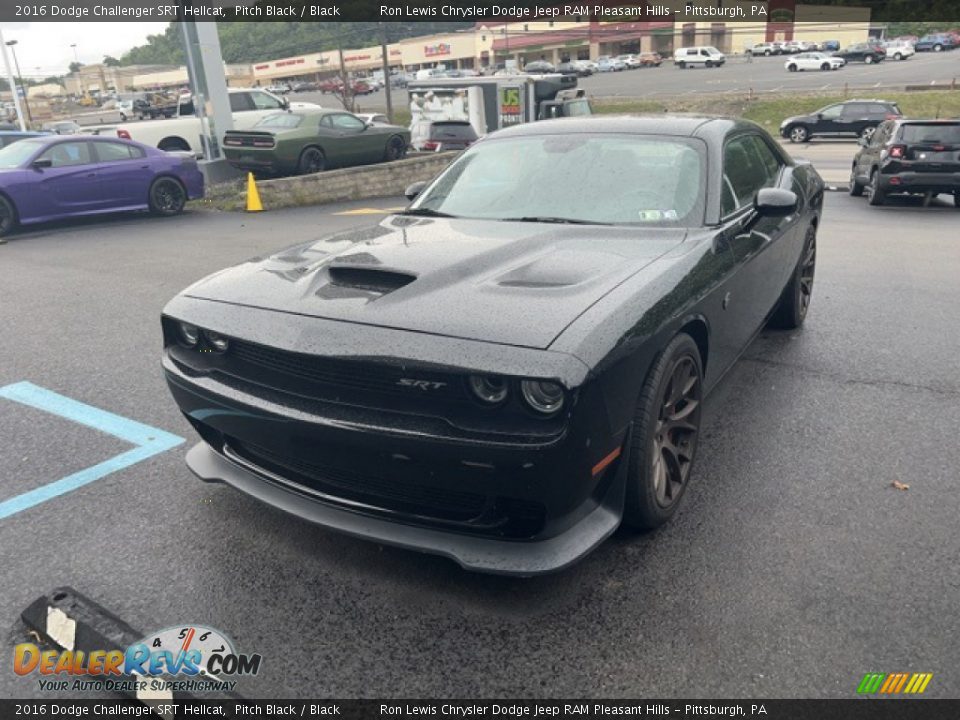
{"x":53,"y":177}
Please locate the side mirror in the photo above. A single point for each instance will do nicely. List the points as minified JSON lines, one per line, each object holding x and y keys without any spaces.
{"x":41,"y":163}
{"x":284,"y":103}
{"x":774,"y":202}
{"x":413,"y":190}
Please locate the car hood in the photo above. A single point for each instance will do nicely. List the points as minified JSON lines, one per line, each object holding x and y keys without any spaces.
{"x":514,"y":283}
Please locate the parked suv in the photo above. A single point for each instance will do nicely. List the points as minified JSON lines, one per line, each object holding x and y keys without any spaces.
{"x":899,"y":49}
{"x":867,"y":52}
{"x":936,"y":43}
{"x":705,"y":55}
{"x":851,"y":118}
{"x":909,"y":156}
{"x":765,"y":48}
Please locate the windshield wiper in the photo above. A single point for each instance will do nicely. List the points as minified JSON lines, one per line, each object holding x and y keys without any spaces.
{"x":555,"y":220}
{"x":426,"y":212}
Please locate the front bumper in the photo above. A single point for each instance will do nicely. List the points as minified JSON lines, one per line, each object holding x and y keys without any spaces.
{"x":520,"y":505}
{"x":472,"y":553}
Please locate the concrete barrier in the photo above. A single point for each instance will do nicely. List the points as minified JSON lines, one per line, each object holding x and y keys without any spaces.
{"x":387,"y":179}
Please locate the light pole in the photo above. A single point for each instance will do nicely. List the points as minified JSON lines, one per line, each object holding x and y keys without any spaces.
{"x":76,"y":60}
{"x":26,"y":106}
{"x":10,"y":82}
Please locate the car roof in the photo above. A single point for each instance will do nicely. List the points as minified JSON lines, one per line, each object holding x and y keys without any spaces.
{"x":673,"y":124}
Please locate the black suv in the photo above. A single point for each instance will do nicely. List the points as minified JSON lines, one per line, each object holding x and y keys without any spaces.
{"x":909,"y":156}
{"x":851,"y":118}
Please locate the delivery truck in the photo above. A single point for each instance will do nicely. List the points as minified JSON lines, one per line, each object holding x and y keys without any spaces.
{"x":490,"y":103}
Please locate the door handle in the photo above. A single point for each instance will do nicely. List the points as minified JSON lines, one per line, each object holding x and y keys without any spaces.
{"x":93,"y":174}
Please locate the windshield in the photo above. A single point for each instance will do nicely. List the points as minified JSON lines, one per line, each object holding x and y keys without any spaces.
{"x":603,"y":179}
{"x":281,"y":120}
{"x":18,"y":153}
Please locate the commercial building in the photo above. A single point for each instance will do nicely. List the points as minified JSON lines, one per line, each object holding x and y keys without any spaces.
{"x":492,"y":44}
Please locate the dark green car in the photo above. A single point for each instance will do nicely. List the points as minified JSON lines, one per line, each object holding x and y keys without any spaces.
{"x":312,"y":141}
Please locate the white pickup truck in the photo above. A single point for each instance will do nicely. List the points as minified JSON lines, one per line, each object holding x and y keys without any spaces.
{"x":183,"y":132}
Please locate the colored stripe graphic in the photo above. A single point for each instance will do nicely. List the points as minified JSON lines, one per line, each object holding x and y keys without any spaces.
{"x":894,"y":683}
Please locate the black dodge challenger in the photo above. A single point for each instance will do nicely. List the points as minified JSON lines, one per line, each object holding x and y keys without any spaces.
{"x":513,"y":366}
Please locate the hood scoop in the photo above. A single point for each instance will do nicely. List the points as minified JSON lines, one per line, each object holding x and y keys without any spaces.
{"x":369,"y":279}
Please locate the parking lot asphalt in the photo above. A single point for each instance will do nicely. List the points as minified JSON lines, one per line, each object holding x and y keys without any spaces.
{"x":792,"y":568}
{"x":761,"y":74}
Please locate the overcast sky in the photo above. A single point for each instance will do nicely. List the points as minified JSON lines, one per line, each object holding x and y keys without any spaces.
{"x":46,"y":45}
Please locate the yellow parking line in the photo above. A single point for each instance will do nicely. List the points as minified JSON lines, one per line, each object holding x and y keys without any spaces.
{"x":369,"y":211}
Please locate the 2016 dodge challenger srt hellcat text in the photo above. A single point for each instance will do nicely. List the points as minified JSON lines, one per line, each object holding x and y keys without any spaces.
{"x":515,"y":364}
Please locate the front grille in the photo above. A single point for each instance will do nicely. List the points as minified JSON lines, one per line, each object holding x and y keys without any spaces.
{"x":414,"y":501}
{"x":377,"y":377}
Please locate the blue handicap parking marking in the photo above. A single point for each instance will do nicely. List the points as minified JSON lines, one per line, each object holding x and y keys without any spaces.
{"x":148,"y":441}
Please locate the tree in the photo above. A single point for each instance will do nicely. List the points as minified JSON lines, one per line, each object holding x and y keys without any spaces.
{"x":110,"y":61}
{"x":75,"y":67}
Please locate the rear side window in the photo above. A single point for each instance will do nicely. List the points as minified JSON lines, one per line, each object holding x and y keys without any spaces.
{"x":112,"y":151}
{"x":932,"y":134}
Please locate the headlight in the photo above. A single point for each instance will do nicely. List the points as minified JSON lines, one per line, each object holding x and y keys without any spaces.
{"x":489,"y":389}
{"x":544,"y":396}
{"x":190,"y":334}
{"x":217,"y":341}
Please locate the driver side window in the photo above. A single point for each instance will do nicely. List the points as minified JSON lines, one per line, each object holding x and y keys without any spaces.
{"x":262,"y":101}
{"x":67,"y":154}
{"x":347,"y":123}
{"x":832,"y":112}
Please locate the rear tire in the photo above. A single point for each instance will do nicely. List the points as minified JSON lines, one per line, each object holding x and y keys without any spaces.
{"x":795,"y":301}
{"x":898,"y":56}
{"x":167,"y":197}
{"x":173,"y":144}
{"x":868,"y":132}
{"x":312,"y":160}
{"x":937,"y":48}
{"x":709,"y":63}
{"x":956,"y":199}
{"x":663,"y":441}
{"x":8,"y":218}
{"x":877,"y":195}
{"x":682,"y":65}
{"x":868,"y":59}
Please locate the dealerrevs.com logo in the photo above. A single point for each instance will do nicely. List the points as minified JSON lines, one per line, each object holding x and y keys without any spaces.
{"x":191,"y":658}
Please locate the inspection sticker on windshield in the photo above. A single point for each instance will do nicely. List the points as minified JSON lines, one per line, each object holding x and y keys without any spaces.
{"x":655,"y":215}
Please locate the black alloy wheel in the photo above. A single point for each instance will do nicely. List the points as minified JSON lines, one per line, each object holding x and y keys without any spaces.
{"x":663,"y":441}
{"x":167,"y":197}
{"x":396,"y":148}
{"x":311,"y":161}
{"x":795,"y":300}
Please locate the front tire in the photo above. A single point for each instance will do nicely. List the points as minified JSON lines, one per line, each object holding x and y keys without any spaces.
{"x":868,"y":132}
{"x":8,"y":218}
{"x":868,"y":59}
{"x":167,"y":197}
{"x":795,"y":301}
{"x":898,"y":56}
{"x":312,"y":160}
{"x":682,"y":65}
{"x":856,"y":188}
{"x":798,"y":134}
{"x":792,"y":67}
{"x":663,"y":442}
{"x":825,"y":66}
{"x":937,"y":48}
